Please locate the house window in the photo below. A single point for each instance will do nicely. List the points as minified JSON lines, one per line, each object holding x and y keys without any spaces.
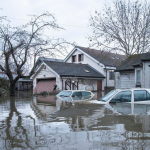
{"x":111,"y":75}
{"x":74,"y":58}
{"x":80,"y":57}
{"x":138,"y":76}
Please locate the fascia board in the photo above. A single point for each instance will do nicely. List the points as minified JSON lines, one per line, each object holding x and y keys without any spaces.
{"x":40,"y":67}
{"x":69,"y":55}
{"x":113,"y":68}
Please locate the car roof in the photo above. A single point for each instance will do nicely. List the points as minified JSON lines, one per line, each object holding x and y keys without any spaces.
{"x":76,"y":90}
{"x":133,"y":89}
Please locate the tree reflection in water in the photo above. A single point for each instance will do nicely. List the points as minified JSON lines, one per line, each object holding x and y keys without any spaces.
{"x":51,"y":124}
{"x":16,"y":130}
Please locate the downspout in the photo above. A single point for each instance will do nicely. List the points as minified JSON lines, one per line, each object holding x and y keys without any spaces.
{"x":106,"y":78}
{"x":62,"y":82}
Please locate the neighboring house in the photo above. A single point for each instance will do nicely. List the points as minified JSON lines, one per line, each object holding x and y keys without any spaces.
{"x":3,"y":75}
{"x":134,"y":72}
{"x":102,"y":61}
{"x":83,"y":68}
{"x":24,"y":84}
{"x":66,"y":76}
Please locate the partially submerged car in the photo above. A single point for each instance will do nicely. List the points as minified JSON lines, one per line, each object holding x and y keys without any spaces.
{"x":134,"y":95}
{"x":75,"y":95}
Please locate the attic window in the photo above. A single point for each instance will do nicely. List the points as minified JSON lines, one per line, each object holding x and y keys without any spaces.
{"x":74,"y":58}
{"x":87,"y":71}
{"x":80,"y":57}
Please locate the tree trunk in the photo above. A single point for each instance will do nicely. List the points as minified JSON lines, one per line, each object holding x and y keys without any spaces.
{"x":12,"y":89}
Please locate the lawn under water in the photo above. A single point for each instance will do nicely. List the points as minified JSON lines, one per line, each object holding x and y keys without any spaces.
{"x":46,"y":123}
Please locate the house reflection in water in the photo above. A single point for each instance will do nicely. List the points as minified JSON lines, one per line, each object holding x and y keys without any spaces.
{"x":65,"y":125}
{"x":81,"y":115}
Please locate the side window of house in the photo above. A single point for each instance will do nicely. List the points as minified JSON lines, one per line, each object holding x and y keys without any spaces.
{"x":111,"y":75}
{"x":74,"y":58}
{"x":80,"y":57}
{"x":124,"y":96}
{"x":138,"y":76}
{"x":141,"y":95}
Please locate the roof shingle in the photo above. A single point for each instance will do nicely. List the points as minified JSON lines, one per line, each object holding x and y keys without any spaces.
{"x":104,"y":57}
{"x":74,"y":70}
{"x":133,"y":60}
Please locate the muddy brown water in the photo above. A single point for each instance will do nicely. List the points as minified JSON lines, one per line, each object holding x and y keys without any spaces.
{"x":47,"y":123}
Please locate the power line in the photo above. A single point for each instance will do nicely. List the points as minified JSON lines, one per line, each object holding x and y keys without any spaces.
{"x":58,"y":23}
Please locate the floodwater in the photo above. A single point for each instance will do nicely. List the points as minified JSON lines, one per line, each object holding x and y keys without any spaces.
{"x":47,"y":123}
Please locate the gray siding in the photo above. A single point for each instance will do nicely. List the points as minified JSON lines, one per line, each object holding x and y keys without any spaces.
{"x":124,"y":80}
{"x":127,"y":80}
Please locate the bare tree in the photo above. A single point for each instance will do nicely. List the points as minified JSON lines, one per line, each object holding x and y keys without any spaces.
{"x":19,"y":44}
{"x":124,"y":27}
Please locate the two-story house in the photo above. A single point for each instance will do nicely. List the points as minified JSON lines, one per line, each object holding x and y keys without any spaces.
{"x":83,"y":68}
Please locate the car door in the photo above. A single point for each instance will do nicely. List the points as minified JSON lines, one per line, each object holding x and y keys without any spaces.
{"x":123,"y":96}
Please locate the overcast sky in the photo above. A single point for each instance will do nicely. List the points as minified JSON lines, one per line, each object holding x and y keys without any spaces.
{"x":73,"y":15}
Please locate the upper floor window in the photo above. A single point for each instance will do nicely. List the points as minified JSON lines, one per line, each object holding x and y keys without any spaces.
{"x":80,"y":57}
{"x":74,"y":58}
{"x":111,"y":75}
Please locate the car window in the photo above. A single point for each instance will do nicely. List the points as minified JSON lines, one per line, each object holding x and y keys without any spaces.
{"x":108,"y":95}
{"x":64,"y":93}
{"x":86,"y":93}
{"x":141,"y":95}
{"x":124,"y":96}
{"x":76,"y":94}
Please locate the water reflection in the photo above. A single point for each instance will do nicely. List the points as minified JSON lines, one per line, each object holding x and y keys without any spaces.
{"x":50,"y":123}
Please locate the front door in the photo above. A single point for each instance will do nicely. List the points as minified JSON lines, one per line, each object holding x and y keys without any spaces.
{"x":99,"y":85}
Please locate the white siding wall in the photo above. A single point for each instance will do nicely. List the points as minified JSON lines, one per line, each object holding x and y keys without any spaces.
{"x":146,"y":75}
{"x":97,"y":66}
{"x":84,"y":84}
{"x":46,"y":73}
{"x":125,"y":80}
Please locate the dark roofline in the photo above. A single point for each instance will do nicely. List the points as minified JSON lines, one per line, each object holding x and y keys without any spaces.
{"x":119,"y":70}
{"x":81,"y":76}
{"x":100,"y":75}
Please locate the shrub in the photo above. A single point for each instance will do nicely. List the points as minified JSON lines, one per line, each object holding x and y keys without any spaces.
{"x":4,"y":86}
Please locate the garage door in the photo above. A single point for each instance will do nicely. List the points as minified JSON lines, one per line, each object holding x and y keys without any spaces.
{"x":45,"y":85}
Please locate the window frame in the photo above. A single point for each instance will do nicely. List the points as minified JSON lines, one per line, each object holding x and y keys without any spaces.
{"x":138,"y":82}
{"x":111,"y":77}
{"x":80,"y":57}
{"x":73,"y":58}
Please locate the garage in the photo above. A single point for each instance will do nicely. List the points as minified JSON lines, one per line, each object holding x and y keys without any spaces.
{"x":45,"y":85}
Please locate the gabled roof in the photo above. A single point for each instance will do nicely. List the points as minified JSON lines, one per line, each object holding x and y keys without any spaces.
{"x":74,"y":70}
{"x":133,"y":61}
{"x":41,"y":59}
{"x":105,"y":58}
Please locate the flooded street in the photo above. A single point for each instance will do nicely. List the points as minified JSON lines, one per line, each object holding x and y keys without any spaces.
{"x":47,"y":123}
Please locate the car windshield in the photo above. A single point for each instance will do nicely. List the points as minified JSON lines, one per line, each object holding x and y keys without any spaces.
{"x":64,"y":94}
{"x":108,"y":96}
